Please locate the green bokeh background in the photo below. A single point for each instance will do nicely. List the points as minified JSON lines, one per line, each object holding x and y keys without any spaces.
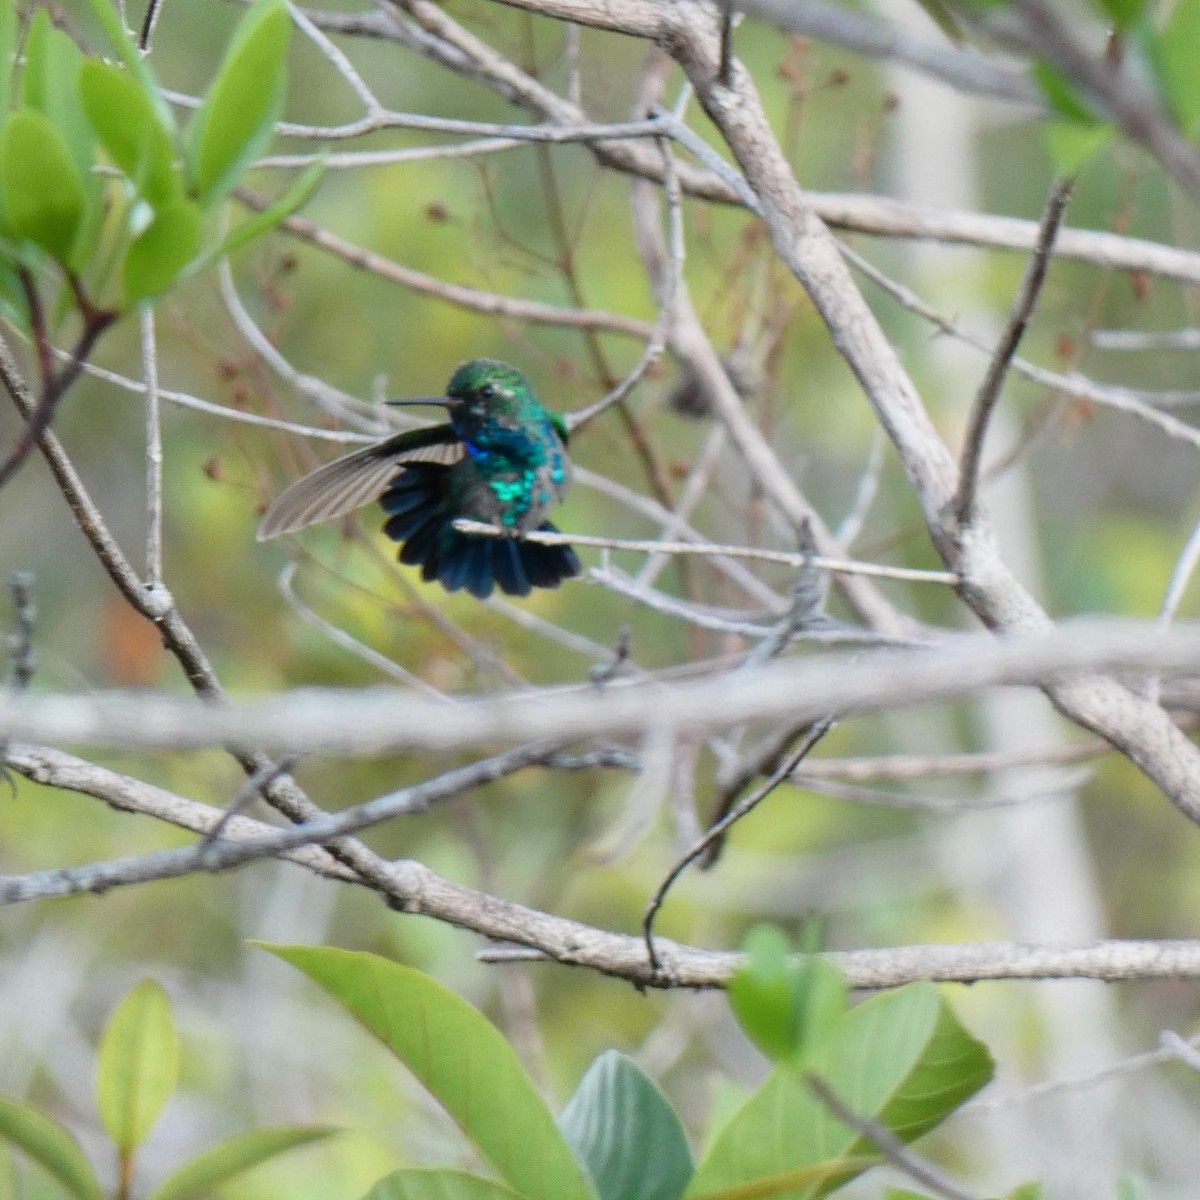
{"x":1114,"y":502}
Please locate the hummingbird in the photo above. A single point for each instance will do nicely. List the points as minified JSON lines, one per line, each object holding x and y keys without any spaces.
{"x":500,"y":459}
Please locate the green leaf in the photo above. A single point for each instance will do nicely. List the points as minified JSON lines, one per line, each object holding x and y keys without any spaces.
{"x":14,"y":303}
{"x":1178,"y":63}
{"x":8,"y":52}
{"x":157,"y":258}
{"x":900,"y":1058}
{"x":1123,"y":13}
{"x":262,"y":222}
{"x":43,"y":193}
{"x":624,"y":1130}
{"x":1063,"y":96}
{"x":761,"y":993}
{"x":1071,"y":144}
{"x":48,"y":1143}
{"x":816,"y":1179}
{"x":139,"y":1064}
{"x":1031,"y":1191}
{"x":438,"y":1184}
{"x":50,"y":84}
{"x":460,"y":1057}
{"x":234,"y":1156}
{"x":126,"y":122}
{"x":238,"y":116}
{"x":110,"y":21}
{"x":786,"y":1009}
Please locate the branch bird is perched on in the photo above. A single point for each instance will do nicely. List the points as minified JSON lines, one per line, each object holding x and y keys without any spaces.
{"x":501,"y":459}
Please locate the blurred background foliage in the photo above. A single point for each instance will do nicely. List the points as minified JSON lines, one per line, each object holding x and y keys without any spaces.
{"x":1112,"y":504}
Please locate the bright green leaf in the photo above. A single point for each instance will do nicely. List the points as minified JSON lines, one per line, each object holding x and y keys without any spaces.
{"x":232,"y":1157}
{"x":821,"y":998}
{"x":1123,"y":13}
{"x":1178,"y":63}
{"x":761,"y":993}
{"x":139,"y":1064}
{"x":460,"y":1057}
{"x":624,"y":1130}
{"x":8,"y":52}
{"x":785,"y":1008}
{"x":438,"y":1184}
{"x":109,"y":19}
{"x":900,"y":1058}
{"x":50,"y":84}
{"x":1070,"y":144}
{"x":43,"y":193}
{"x":262,"y":222}
{"x":126,"y":122}
{"x":49,"y":1144}
{"x":157,"y":258}
{"x":237,"y":118}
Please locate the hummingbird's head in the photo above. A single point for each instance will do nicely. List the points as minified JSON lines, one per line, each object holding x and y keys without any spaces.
{"x":480,"y":391}
{"x":486,"y":388}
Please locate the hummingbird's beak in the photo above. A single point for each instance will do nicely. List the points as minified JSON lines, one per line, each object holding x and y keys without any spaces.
{"x":440,"y":401}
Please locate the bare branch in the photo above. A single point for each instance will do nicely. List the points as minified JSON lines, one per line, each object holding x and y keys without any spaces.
{"x":1006,"y":348}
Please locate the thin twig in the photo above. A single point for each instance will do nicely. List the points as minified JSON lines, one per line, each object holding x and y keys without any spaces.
{"x":1006,"y":348}
{"x":154,"y":454}
{"x":54,"y":386}
{"x":23,"y":652}
{"x":843,"y":566}
{"x":670,"y":287}
{"x":149,"y":21}
{"x":254,"y":786}
{"x":916,"y":1166}
{"x":818,"y":730}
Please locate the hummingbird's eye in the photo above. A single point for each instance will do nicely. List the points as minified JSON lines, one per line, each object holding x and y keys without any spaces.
{"x":488,"y":391}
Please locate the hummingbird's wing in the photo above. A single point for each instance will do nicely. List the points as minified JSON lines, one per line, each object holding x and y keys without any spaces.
{"x":348,"y":483}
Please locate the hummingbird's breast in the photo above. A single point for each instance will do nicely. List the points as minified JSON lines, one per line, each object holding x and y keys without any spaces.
{"x":513,"y":476}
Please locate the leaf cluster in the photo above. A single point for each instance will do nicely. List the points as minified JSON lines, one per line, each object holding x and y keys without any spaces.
{"x":900,"y":1059}
{"x":96,"y":177}
{"x":138,"y":1072}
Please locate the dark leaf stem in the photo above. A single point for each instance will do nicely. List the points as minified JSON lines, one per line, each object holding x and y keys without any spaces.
{"x":54,"y":385}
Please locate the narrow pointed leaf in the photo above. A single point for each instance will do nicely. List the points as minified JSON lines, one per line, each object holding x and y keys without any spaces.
{"x":262,"y":222}
{"x":900,"y":1058}
{"x":139,"y":1064}
{"x":233,"y":1157}
{"x":624,"y":1130}
{"x":1063,"y":95}
{"x":438,"y":1184}
{"x":460,"y":1057}
{"x":238,"y":115}
{"x":43,"y":192}
{"x":126,"y":122}
{"x":50,"y":1145}
{"x":157,"y":258}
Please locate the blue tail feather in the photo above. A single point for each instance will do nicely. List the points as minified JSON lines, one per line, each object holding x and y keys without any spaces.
{"x":421,"y":519}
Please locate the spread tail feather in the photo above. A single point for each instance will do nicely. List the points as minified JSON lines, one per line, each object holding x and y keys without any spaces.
{"x":421,"y":518}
